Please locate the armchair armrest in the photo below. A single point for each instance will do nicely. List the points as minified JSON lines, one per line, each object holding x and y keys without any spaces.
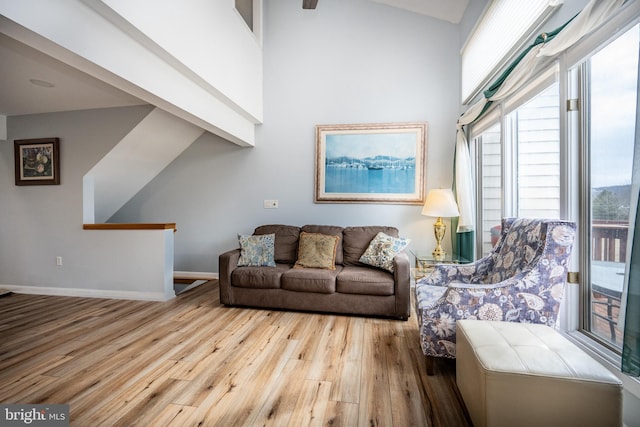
{"x":518,"y":299}
{"x":521,"y":298}
{"x":443,"y":274}
{"x":227,"y":262}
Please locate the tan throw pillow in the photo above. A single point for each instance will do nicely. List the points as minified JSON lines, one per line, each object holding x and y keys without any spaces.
{"x":317,"y":250}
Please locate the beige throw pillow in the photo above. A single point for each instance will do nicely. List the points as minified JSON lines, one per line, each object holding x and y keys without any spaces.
{"x":317,"y":250}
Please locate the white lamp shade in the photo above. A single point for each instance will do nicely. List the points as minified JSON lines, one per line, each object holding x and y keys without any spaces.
{"x":440,"y":203}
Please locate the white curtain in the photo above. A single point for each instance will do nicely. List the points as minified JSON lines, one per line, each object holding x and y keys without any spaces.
{"x":592,"y":16}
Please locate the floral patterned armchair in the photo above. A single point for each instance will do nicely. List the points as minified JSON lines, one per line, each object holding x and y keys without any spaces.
{"x":521,"y":280}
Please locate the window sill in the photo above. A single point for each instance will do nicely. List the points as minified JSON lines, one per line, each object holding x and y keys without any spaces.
{"x":607,"y":358}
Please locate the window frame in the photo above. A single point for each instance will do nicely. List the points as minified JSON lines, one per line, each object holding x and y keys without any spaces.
{"x":500,"y":114}
{"x":578,"y":69}
{"x":572,"y":202}
{"x":510,"y":41}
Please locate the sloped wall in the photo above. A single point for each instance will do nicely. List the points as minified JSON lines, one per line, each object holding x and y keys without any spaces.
{"x":195,"y":59}
{"x":143,"y":153}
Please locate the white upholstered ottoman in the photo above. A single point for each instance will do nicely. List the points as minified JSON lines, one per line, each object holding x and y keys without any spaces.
{"x":520,"y":374}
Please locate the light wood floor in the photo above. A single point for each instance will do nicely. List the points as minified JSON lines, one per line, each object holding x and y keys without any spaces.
{"x":193,"y":362}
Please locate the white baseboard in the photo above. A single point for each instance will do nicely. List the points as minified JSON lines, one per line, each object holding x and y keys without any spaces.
{"x":85,"y":293}
{"x":195,"y":275}
{"x":101,"y":293}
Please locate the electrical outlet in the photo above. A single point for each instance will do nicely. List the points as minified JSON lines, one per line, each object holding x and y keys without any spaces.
{"x":59,"y":261}
{"x":270,"y":204}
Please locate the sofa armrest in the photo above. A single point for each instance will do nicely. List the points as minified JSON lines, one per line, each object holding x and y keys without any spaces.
{"x":227,"y":262}
{"x":402,"y":283}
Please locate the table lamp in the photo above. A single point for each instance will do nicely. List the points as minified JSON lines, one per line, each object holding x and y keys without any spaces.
{"x":440,"y":203}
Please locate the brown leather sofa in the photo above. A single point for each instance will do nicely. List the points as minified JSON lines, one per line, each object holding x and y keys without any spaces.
{"x":352,"y":288}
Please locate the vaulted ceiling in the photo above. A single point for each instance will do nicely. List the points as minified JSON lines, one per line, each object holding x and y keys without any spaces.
{"x":446,"y":10}
{"x":33,"y":82}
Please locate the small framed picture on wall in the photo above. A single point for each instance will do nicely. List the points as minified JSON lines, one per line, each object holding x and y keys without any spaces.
{"x":37,"y":161}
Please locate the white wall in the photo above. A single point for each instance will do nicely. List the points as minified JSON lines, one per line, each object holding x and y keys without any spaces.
{"x":210,"y":37}
{"x":213,"y":81}
{"x":154,"y":143}
{"x":348,"y":61}
{"x":39,"y":223}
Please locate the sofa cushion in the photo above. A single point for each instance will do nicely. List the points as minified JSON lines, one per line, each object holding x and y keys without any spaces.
{"x":286,"y":244}
{"x":330,"y":230}
{"x":364,"y":281}
{"x":382,"y":249}
{"x":317,"y":250}
{"x":258,"y":277}
{"x":311,"y":280}
{"x":256,"y":250}
{"x":356,"y":240}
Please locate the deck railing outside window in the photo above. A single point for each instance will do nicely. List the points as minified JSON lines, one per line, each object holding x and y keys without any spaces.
{"x":608,"y":255}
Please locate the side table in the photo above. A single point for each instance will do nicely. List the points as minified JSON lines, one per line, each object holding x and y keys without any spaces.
{"x":419,"y":272}
{"x":425,"y":262}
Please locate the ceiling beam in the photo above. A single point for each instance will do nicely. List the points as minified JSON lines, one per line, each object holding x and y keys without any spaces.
{"x":309,"y":4}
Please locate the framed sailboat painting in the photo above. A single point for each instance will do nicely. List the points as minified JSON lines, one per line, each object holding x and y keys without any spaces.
{"x":371,"y":163}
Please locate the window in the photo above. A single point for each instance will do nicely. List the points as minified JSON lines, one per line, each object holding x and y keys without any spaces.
{"x":518,"y":160}
{"x":568,"y":148}
{"x":520,"y":157}
{"x":537,"y":132}
{"x":491,"y":181}
{"x":609,"y":108}
{"x":516,"y":20}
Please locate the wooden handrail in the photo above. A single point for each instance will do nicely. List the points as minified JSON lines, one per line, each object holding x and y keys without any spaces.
{"x":143,"y":226}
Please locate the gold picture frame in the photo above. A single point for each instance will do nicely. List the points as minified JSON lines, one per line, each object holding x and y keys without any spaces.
{"x":371,"y":163}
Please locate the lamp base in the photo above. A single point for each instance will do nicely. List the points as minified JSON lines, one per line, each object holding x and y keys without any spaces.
{"x":439,"y":228}
{"x":439,"y":254}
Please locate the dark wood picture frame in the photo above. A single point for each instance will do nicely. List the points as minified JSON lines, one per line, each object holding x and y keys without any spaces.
{"x":37,"y":161}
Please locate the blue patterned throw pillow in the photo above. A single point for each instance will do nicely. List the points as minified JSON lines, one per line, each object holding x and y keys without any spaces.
{"x":382,"y":249}
{"x":257,"y":251}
